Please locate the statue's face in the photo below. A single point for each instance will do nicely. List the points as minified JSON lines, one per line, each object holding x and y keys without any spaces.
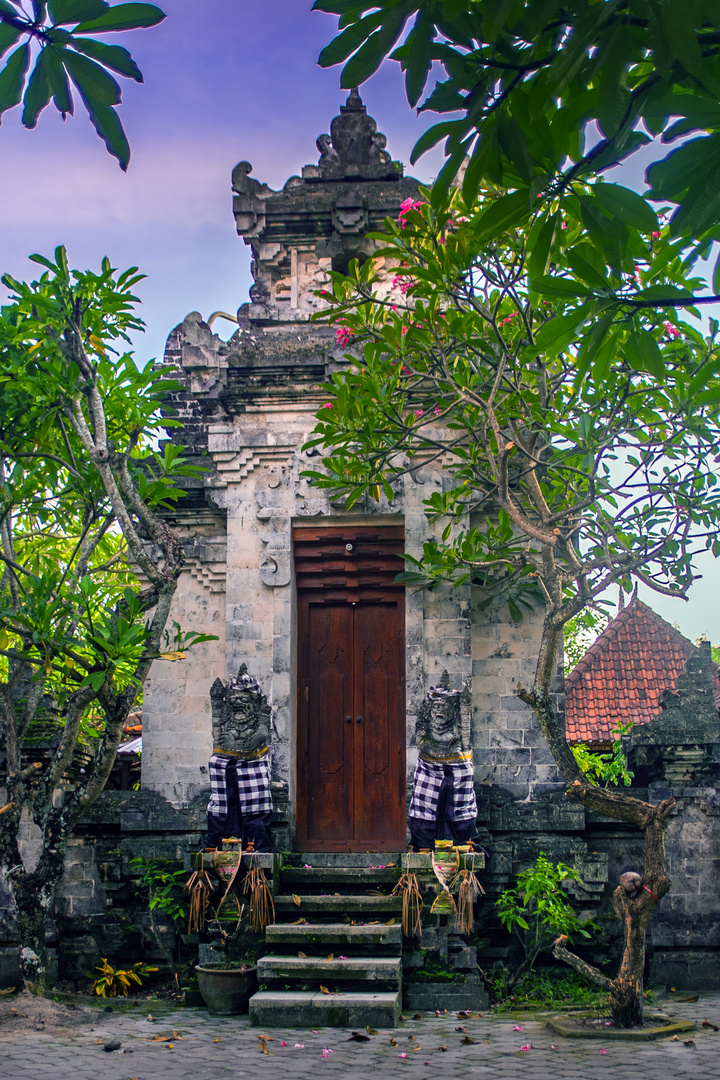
{"x":241,"y":703}
{"x":442,"y":717}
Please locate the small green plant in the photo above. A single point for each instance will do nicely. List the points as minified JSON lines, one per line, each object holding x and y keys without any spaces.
{"x":114,"y":981}
{"x":166,"y":887}
{"x":608,"y":768}
{"x":537,"y":911}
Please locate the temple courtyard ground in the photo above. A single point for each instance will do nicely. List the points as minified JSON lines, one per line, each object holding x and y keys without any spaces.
{"x":202,"y":1047}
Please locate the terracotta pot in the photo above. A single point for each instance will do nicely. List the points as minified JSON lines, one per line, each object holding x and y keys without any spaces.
{"x":226,"y":991}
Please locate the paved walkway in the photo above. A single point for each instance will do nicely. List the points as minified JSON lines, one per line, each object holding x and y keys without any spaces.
{"x":213,"y":1048}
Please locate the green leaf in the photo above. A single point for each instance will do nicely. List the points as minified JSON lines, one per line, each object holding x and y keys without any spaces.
{"x":95,"y":85}
{"x":630,"y":207}
{"x":649,"y":353}
{"x":72,"y":11}
{"x":419,"y":61}
{"x":8,"y":36}
{"x":432,"y":136}
{"x":349,"y":40}
{"x":371,"y":54}
{"x":12,"y":78}
{"x":123,"y":17}
{"x":538,"y":260}
{"x":8,"y":8}
{"x":58,"y":81}
{"x":38,"y":92}
{"x":112,"y":56}
{"x":658,"y":293}
{"x":502,"y":214}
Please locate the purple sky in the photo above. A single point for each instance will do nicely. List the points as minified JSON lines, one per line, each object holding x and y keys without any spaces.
{"x":225,"y":80}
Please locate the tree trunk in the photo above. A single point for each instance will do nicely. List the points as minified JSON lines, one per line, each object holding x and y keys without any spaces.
{"x":633,"y":906}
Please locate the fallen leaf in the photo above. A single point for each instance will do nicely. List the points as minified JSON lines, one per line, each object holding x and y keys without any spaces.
{"x":302,"y":955}
{"x":330,"y":957}
{"x":414,"y":1049}
{"x":403,"y":1017}
{"x":467,"y":1041}
{"x":390,"y":865}
{"x":460,"y":1029}
{"x":11,"y":989}
{"x":676,"y":1038}
{"x":707,"y":1024}
{"x":357,"y":1036}
{"x":371,"y":1031}
{"x":298,"y":922}
{"x":170,"y":1046}
{"x":266,"y":1038}
{"x":443,"y":1048}
{"x":417,"y":1016}
{"x":99,"y":1042}
{"x":391,"y":922}
{"x":411,"y":1036}
{"x":324,"y":990}
{"x":110,"y":1046}
{"x":174,"y":655}
{"x":296,"y":899}
{"x":393,"y":1042}
{"x":216,"y":1040}
{"x":177,"y":1035}
{"x":690,"y":1043}
{"x":695,"y":997}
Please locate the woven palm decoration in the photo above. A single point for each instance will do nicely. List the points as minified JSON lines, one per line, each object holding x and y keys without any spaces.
{"x":227,"y":864}
{"x":412,"y":904}
{"x":262,"y":908}
{"x":199,"y":886}
{"x":468,"y":886}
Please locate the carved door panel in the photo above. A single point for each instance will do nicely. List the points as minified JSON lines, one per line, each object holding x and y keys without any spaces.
{"x":351,"y":704}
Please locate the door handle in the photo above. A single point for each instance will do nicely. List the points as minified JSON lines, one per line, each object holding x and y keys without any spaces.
{"x":348,"y":719}
{"x":358,"y":719}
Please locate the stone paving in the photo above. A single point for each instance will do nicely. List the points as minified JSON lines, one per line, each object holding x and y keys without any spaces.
{"x":213,"y":1048}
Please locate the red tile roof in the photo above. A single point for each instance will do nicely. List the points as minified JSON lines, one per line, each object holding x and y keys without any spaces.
{"x":623,"y":673}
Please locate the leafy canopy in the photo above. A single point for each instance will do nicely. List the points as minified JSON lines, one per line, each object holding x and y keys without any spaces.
{"x":574,"y":404}
{"x":69,"y":54}
{"x":553,"y":91}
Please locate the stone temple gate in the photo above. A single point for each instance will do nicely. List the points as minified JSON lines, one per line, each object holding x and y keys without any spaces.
{"x":299,"y":591}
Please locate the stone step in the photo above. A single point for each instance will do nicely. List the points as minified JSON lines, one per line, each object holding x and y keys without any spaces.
{"x":340,"y":876}
{"x":308,"y":1008}
{"x":366,"y":859}
{"x":386,"y":969}
{"x":342,"y":903}
{"x":321,"y":935}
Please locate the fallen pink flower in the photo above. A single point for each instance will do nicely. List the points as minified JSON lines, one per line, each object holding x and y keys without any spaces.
{"x":342,"y":957}
{"x":518,"y":1027}
{"x":326,"y":405}
{"x":402,"y":1055}
{"x":283,"y":1044}
{"x":603,"y":1051}
{"x":315,"y":1032}
{"x":525,"y":1047}
{"x":299,"y":1046}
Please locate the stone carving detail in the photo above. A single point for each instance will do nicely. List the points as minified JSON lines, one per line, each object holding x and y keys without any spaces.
{"x":240,"y":714}
{"x":355,"y":148}
{"x":249,"y":200}
{"x":442,"y":719}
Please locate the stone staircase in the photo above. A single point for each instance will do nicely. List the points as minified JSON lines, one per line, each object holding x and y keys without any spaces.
{"x":341,"y":966}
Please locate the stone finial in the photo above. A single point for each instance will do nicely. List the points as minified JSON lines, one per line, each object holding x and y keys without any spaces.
{"x":355,"y":149}
{"x":240,"y":714}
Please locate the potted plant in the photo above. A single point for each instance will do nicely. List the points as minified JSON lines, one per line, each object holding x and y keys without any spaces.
{"x":227,"y":985}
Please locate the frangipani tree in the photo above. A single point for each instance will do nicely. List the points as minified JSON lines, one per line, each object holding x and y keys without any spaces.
{"x":82,"y":486}
{"x":549,"y":352}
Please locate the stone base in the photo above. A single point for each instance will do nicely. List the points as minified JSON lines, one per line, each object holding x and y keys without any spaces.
{"x":287,"y":1009}
{"x":429,"y":996}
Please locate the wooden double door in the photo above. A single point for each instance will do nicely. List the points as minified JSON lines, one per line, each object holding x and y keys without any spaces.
{"x":351,"y":691}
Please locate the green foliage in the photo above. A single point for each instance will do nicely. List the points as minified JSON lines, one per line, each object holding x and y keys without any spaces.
{"x":166,"y":887}
{"x":580,"y":632}
{"x":576,"y":455}
{"x":529,"y":78}
{"x":115,"y":981}
{"x":606,"y":768}
{"x":66,"y":56}
{"x":547,"y":989}
{"x":537,"y":910}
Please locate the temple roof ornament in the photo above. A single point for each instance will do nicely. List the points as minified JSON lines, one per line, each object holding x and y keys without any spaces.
{"x":354,"y":149}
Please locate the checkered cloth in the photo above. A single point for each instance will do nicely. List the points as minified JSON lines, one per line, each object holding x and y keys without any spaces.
{"x":253,"y":785}
{"x":426,"y":788}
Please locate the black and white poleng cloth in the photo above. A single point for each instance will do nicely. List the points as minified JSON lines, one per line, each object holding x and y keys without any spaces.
{"x":428,"y":780}
{"x":252,"y":778}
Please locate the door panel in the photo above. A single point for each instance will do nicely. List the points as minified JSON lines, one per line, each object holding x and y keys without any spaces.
{"x":351,"y":661}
